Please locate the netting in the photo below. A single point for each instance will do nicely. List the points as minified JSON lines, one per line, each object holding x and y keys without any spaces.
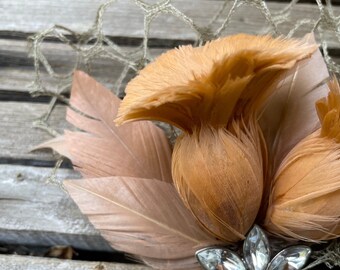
{"x":93,"y":45}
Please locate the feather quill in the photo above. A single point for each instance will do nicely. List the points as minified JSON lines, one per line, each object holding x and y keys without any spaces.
{"x":144,"y":217}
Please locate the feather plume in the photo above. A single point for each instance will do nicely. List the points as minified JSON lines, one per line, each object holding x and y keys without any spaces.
{"x":136,"y":150}
{"x":290,"y":113}
{"x":214,"y":94}
{"x":328,"y":110}
{"x":144,"y":217}
{"x":305,"y":198}
{"x":223,"y":187}
{"x":188,"y":87}
{"x":189,"y":263}
{"x":127,"y":203}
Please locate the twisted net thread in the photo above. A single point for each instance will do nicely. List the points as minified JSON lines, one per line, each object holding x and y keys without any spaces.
{"x":93,"y":44}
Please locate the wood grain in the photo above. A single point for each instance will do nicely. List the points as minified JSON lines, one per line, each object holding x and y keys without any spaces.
{"x":35,"y":212}
{"x":125,"y":19}
{"x":14,"y":262}
{"x":17,"y":133}
{"x":17,"y":70}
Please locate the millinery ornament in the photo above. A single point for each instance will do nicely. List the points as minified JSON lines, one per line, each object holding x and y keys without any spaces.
{"x":253,"y":149}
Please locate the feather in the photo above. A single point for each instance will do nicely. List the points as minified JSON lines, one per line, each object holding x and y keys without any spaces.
{"x":144,"y":217}
{"x":328,"y":110}
{"x":304,"y":202}
{"x":214,"y":93}
{"x":227,"y":201}
{"x":189,"y":263}
{"x":305,"y":197}
{"x":58,"y":144}
{"x":210,"y":80}
{"x":289,"y":115}
{"x":136,"y":150}
{"x":290,"y":112}
{"x":135,"y":212}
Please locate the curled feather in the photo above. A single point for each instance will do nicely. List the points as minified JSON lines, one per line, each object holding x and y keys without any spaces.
{"x":215,"y":93}
{"x":188,"y":87}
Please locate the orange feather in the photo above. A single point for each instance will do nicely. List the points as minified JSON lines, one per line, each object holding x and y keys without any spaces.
{"x":305,"y":197}
{"x":214,"y":94}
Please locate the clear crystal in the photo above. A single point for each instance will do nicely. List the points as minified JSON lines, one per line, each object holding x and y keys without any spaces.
{"x":256,"y":249}
{"x":219,"y":259}
{"x":291,"y":258}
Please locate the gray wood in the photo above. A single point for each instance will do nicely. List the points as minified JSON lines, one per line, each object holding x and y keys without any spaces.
{"x":32,"y":211}
{"x":17,"y":133}
{"x":17,"y":71}
{"x":36,"y":212}
{"x":125,"y":19}
{"x":14,"y":262}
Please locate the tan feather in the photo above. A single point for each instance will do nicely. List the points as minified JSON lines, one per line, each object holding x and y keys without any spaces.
{"x":290,"y":112}
{"x":214,"y":93}
{"x":190,"y":86}
{"x":305,"y":198}
{"x":289,"y":115}
{"x":144,"y":217}
{"x":328,"y":110}
{"x":58,"y":144}
{"x":137,"y":150}
{"x":226,"y":203}
{"x":189,"y":263}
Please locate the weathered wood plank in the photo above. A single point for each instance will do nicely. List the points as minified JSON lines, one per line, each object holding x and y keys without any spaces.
{"x":34,"y":212}
{"x":17,"y":133}
{"x":14,"y":262}
{"x":17,"y":71}
{"x":125,"y":19}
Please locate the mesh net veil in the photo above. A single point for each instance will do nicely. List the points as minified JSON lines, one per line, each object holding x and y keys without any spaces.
{"x":93,"y":45}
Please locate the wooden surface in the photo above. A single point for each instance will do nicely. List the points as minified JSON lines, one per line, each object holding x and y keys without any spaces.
{"x":13,"y":262}
{"x":33,"y":212}
{"x":29,"y":204}
{"x":34,"y":16}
